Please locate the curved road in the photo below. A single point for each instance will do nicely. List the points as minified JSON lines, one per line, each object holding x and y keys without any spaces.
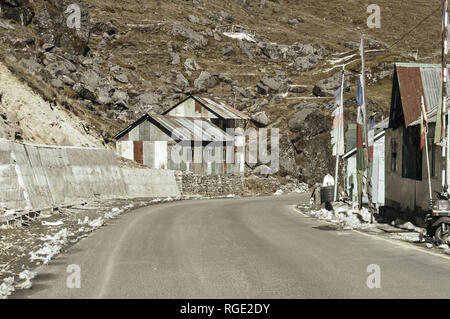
{"x":237,"y":248}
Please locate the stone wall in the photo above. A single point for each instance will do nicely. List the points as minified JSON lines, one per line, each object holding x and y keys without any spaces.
{"x":210,"y":185}
{"x":223,"y":185}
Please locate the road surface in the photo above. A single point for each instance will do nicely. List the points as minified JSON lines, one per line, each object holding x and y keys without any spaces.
{"x":237,"y":248}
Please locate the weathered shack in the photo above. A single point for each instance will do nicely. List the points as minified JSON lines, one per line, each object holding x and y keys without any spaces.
{"x":406,"y":177}
{"x":179,"y":143}
{"x":213,"y":109}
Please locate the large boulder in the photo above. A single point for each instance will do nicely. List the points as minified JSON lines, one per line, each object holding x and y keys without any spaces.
{"x":149,"y":102}
{"x":262,"y":170}
{"x":194,"y":40}
{"x":205,"y":81}
{"x":57,"y":24}
{"x":181,"y":82}
{"x":288,"y":165}
{"x":298,"y":89}
{"x":191,"y":65}
{"x":261,"y":118}
{"x":21,"y":11}
{"x":120,"y":99}
{"x":246,"y":49}
{"x":272,"y":85}
{"x":304,"y":63}
{"x":91,"y":79}
{"x":327,"y":87}
{"x":296,"y":122}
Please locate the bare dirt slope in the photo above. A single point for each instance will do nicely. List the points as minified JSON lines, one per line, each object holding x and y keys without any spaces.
{"x":26,"y":116}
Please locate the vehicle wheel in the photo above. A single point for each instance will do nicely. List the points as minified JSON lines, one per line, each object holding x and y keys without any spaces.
{"x":443,"y":236}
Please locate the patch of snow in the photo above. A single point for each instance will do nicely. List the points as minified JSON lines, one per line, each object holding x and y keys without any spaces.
{"x":45,"y":253}
{"x":97,"y":222}
{"x":429,"y":245}
{"x":239,"y":35}
{"x":231,"y":196}
{"x":84,"y":221}
{"x":7,"y":287}
{"x":27,"y":276}
{"x":59,"y":222}
{"x":278,"y":192}
{"x":443,"y":246}
{"x":113,"y":213}
{"x":338,"y":60}
{"x":59,"y":238}
{"x":355,"y":219}
{"x":409,"y":237}
{"x":93,"y":223}
{"x":9,"y":212}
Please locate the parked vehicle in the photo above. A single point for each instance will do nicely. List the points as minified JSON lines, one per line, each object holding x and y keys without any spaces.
{"x":438,"y":220}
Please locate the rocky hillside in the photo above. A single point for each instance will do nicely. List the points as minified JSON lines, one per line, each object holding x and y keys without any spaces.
{"x":278,"y":61}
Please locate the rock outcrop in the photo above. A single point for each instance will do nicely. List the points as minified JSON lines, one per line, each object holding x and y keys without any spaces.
{"x":65,"y":24}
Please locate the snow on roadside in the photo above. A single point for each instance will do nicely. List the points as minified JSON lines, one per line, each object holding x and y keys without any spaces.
{"x":409,"y":237}
{"x":22,"y":249}
{"x":278,"y":192}
{"x":26,"y":276}
{"x":7,"y":287}
{"x":347,"y":218}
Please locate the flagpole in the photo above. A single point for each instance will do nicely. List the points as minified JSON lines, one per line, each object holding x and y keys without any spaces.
{"x":366,"y":134}
{"x":444,"y":94}
{"x":338,"y":146}
{"x":422,"y":118}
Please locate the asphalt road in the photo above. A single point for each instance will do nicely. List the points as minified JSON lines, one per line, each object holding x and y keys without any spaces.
{"x":237,"y":248}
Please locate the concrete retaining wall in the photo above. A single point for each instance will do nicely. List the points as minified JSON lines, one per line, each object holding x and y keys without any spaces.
{"x":38,"y":177}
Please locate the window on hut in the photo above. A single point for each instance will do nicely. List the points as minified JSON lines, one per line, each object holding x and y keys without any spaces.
{"x":411,"y":153}
{"x":393,"y":155}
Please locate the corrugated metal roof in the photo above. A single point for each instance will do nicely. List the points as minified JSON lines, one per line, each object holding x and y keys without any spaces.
{"x":382,"y":125}
{"x":417,"y":80}
{"x":191,"y":129}
{"x":221,"y":108}
{"x":411,"y":91}
{"x":431,"y":115}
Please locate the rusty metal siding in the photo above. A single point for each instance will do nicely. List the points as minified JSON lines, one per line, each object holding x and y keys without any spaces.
{"x":411,"y":89}
{"x":138,"y":152}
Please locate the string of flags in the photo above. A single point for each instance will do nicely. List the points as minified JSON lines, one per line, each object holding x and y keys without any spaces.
{"x":337,"y":132}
